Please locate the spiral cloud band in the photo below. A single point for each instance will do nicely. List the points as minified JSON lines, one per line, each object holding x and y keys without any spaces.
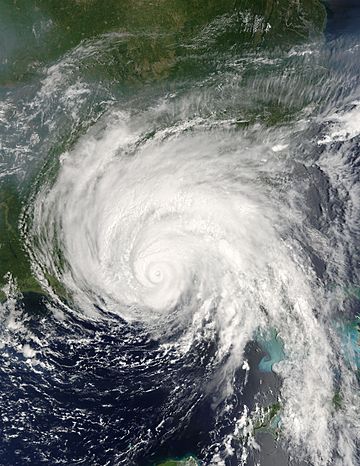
{"x":188,"y":230}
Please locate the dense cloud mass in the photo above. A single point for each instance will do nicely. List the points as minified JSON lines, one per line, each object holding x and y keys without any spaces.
{"x":181,"y":221}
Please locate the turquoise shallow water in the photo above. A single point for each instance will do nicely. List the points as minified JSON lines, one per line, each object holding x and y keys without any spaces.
{"x":274,"y":349}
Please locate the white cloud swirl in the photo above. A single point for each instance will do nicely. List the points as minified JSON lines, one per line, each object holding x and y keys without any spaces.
{"x":187,"y":228}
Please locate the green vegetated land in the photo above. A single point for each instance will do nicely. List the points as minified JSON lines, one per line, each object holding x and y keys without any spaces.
{"x":189,"y":461}
{"x":159,"y":31}
{"x":12,"y":254}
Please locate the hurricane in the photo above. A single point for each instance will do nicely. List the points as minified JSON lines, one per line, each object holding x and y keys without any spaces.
{"x":184,"y":240}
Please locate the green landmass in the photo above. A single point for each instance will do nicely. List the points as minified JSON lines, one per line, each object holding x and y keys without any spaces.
{"x":189,"y":461}
{"x":268,"y":420}
{"x":160,"y":33}
{"x":13,"y":256}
